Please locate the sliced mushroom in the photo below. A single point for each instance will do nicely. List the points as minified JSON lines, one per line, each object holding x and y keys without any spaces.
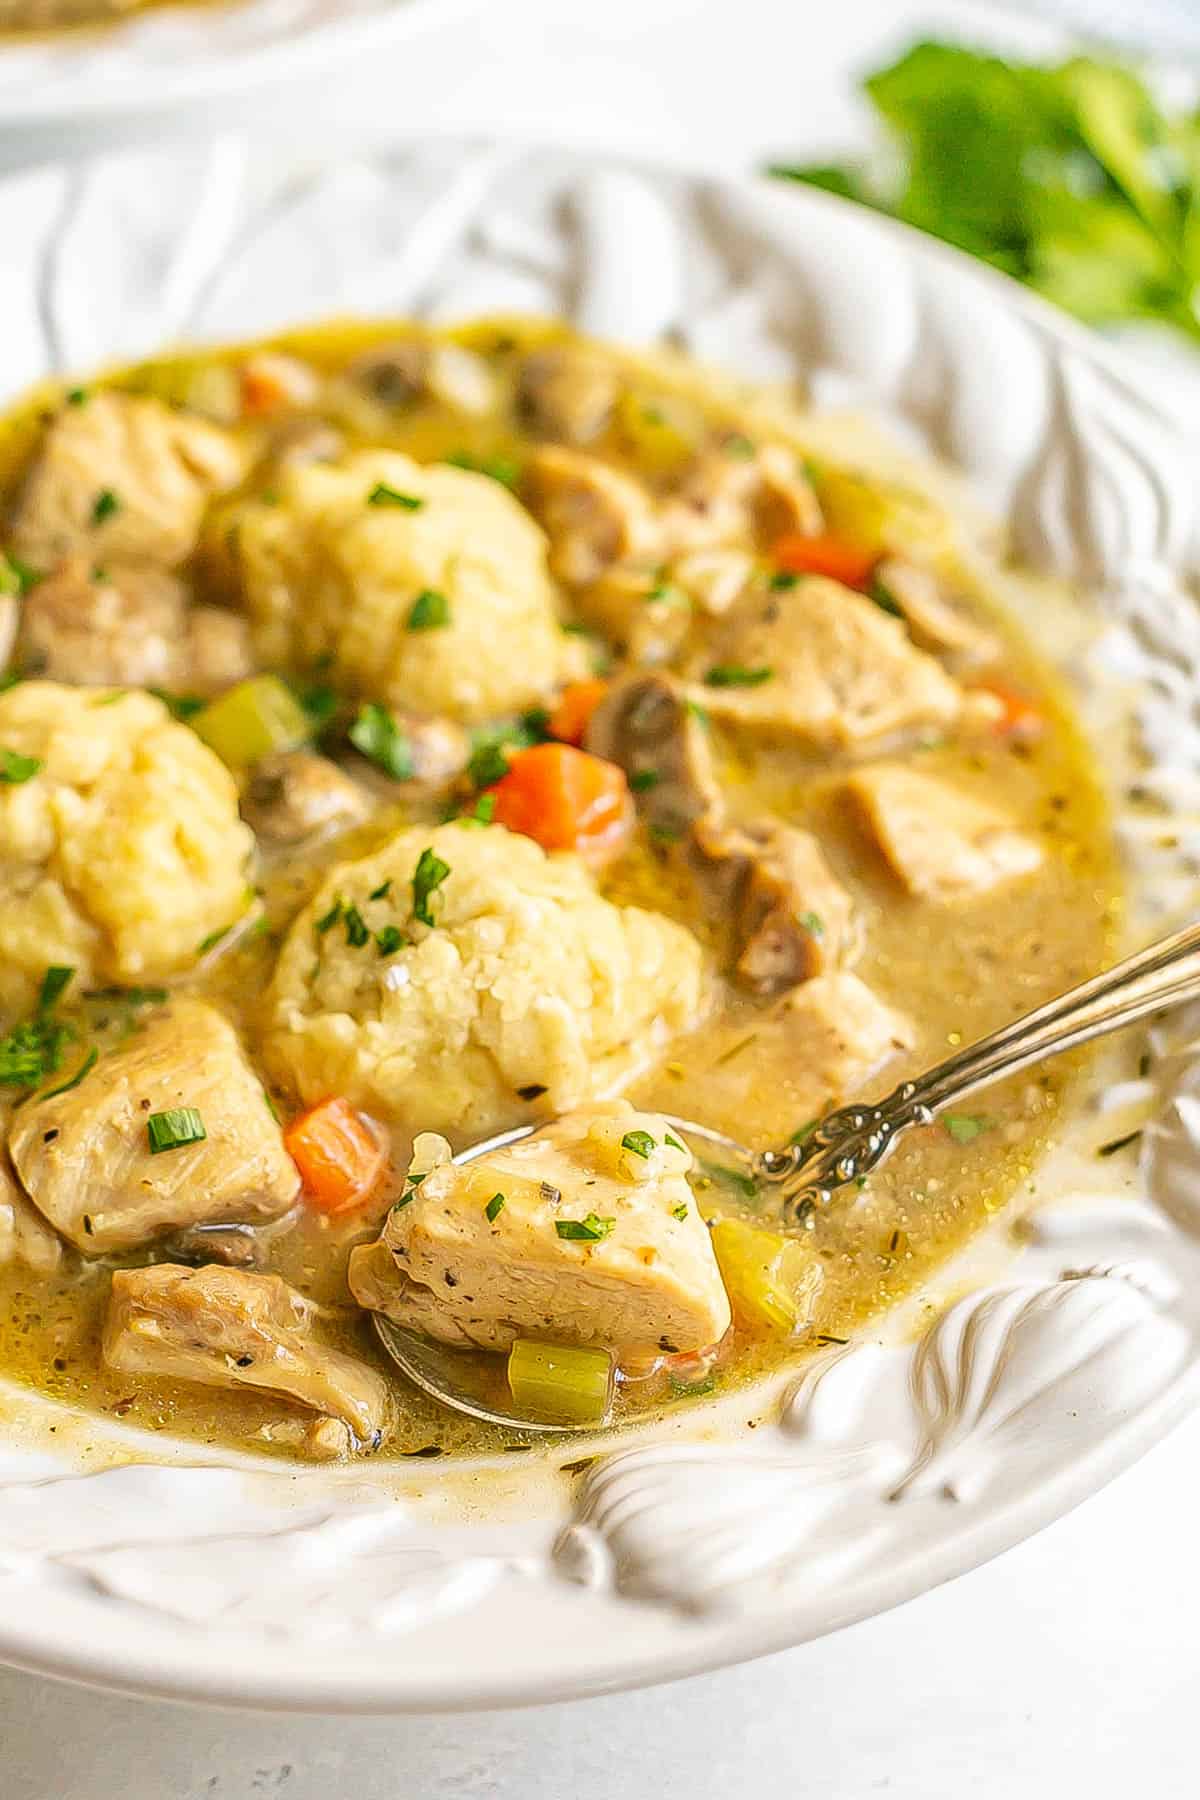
{"x":790,"y":917}
{"x":295,"y":794}
{"x":566,"y":393}
{"x":645,"y":725}
{"x":934,"y":622}
{"x":593,"y":515}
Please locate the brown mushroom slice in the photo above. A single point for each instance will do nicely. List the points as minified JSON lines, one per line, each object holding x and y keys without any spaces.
{"x":934,"y":622}
{"x":123,"y":477}
{"x":584,"y":1233}
{"x":413,"y":368}
{"x":567,"y":393}
{"x":646,"y":726}
{"x":942,"y":843}
{"x":231,"y":1328}
{"x":187,"y":1056}
{"x":825,"y":665}
{"x":295,"y":794}
{"x":593,"y":514}
{"x":790,"y":916}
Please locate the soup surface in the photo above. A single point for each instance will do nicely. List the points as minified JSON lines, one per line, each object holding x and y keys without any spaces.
{"x":408,"y":737}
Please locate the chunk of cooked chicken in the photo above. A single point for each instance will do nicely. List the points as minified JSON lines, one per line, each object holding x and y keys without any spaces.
{"x":790,"y":916}
{"x":567,"y":393}
{"x":294,"y":794}
{"x":422,"y":587}
{"x":826,"y":1038}
{"x":594,"y":515}
{"x":826,"y":665}
{"x":645,"y":725}
{"x":186,"y":1056}
{"x":529,"y":988}
{"x":437,"y":750}
{"x":128,"y":624}
{"x":934,"y":622}
{"x":594,"y":1242}
{"x":122,"y":852}
{"x":120,"y":477}
{"x":230,"y":1328}
{"x":642,"y":612}
{"x":733,"y":491}
{"x":25,"y":1236}
{"x":941,"y":842}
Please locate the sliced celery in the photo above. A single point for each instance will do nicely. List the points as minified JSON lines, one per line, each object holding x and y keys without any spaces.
{"x":251,"y":720}
{"x":559,"y":1384}
{"x":751,"y":1262}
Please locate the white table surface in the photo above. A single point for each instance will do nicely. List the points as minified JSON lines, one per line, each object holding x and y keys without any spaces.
{"x":1068,"y":1666}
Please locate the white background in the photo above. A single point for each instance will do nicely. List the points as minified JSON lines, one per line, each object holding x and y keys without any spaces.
{"x":1068,"y":1666}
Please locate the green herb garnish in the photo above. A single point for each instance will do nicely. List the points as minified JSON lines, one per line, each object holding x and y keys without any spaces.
{"x":813,"y":924}
{"x":104,"y":506}
{"x":782,"y":580}
{"x":640,"y":1142}
{"x":680,"y":1211}
{"x":328,"y":920}
{"x":55,"y":982}
{"x":180,"y":706}
{"x":494,"y":1208}
{"x":172,"y":1129}
{"x":383,"y":495}
{"x":723,"y":1176}
{"x":884,"y":599}
{"x":76,"y":396}
{"x":731,"y":675}
{"x":642,"y":780}
{"x":382,"y":891}
{"x":964,"y":1128}
{"x":429,"y":611}
{"x":674,"y":1142}
{"x":584,"y":1231}
{"x":428,"y":876}
{"x":376,"y":734}
{"x":89,"y":1062}
{"x":390,"y":939}
{"x":1076,"y":177}
{"x":16,"y":768}
{"x":33,"y":1050}
{"x":16,"y":577}
{"x":357,"y":931}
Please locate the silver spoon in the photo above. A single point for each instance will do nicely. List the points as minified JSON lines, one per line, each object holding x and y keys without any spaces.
{"x":847,"y":1143}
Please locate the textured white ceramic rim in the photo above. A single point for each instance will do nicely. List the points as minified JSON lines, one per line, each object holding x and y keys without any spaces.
{"x":1105,"y":486}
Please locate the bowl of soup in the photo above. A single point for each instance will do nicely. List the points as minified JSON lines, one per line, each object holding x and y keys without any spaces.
{"x":420,"y":734}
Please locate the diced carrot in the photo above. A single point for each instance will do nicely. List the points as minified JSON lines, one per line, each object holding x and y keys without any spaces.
{"x":565,"y":799}
{"x":1019,"y":716}
{"x":574,"y":707}
{"x":851,"y":564}
{"x":338,"y":1155}
{"x":270,"y":382}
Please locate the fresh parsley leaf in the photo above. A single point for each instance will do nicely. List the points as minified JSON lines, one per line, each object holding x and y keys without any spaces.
{"x":729,"y":675}
{"x":15,"y":768}
{"x":430,"y":611}
{"x":428,"y":876}
{"x":383,"y":495}
{"x":494,"y":1208}
{"x":501,"y":468}
{"x":813,"y":924}
{"x":376,"y":734}
{"x":588,"y":1230}
{"x":16,"y":577}
{"x":104,"y":506}
{"x":357,"y":930}
{"x":85,"y":1068}
{"x":642,"y":780}
{"x":964,"y":1128}
{"x":681,"y":1211}
{"x":389,"y":940}
{"x":640,"y":1142}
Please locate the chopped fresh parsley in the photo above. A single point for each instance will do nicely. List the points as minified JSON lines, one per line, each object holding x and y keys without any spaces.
{"x":642,"y":780}
{"x":15,"y":768}
{"x":320,"y":702}
{"x":738,"y":445}
{"x":494,"y":1208}
{"x":180,"y":706}
{"x":173,"y":1129}
{"x":390,"y":939}
{"x":212,"y":940}
{"x":813,"y":924}
{"x":489,"y":759}
{"x":55,"y":983}
{"x":782,"y":580}
{"x":77,"y":396}
{"x":328,"y":920}
{"x":16,"y":577}
{"x":482,"y":813}
{"x":104,"y":506}
{"x":383,"y":495}
{"x":728,"y":675}
{"x":884,"y":599}
{"x":64,"y":1087}
{"x":132,"y":996}
{"x":965,"y":1127}
{"x":802,"y":1133}
{"x":680,"y":1211}
{"x":501,"y":468}
{"x":430,"y":611}
{"x":381,"y":892}
{"x":584,"y":1231}
{"x":357,"y":930}
{"x":428,"y":876}
{"x":640,"y":1142}
{"x":377,"y":736}
{"x":723,"y":1176}
{"x":33,"y":1049}
{"x":674,"y":1142}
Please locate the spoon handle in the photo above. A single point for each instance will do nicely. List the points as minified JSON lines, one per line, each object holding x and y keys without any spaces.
{"x":855,"y":1139}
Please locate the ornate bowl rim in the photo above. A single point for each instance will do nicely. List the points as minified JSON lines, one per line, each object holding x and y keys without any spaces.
{"x":888,"y":1467}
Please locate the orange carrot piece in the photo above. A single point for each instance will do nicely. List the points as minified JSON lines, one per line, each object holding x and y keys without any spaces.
{"x":1020,"y":718}
{"x":564,"y":798}
{"x":574,"y":707}
{"x":823,"y":554}
{"x":338,"y":1156}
